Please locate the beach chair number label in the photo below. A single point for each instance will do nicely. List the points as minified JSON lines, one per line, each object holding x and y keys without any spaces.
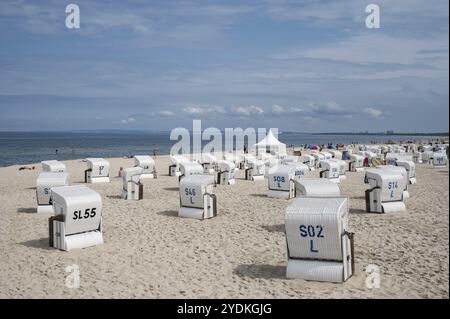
{"x":100,"y":169}
{"x":311,"y":231}
{"x":392,"y":186}
{"x":191,"y":193}
{"x":46,"y":191}
{"x":278,"y":180}
{"x":88,"y":213}
{"x":299,"y":173}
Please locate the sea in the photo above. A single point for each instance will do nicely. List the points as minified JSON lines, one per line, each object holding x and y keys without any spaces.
{"x":20,"y":148}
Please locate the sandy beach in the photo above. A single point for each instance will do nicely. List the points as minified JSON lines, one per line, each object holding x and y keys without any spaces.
{"x":151,"y":253}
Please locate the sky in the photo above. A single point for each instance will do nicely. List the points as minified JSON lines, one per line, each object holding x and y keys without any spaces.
{"x":306,"y":65}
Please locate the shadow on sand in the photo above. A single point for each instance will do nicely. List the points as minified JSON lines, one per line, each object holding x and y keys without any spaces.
{"x":169,"y":213}
{"x":274,"y":228}
{"x":28,"y":210}
{"x":261,"y":271}
{"x":259,"y":195}
{"x":359,"y":211}
{"x":114,"y":196}
{"x":41,"y":243}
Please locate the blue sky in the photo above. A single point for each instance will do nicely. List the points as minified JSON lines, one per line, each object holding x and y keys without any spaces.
{"x":309,"y":66}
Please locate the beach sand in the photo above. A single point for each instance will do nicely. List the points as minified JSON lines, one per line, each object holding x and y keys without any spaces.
{"x":151,"y":253}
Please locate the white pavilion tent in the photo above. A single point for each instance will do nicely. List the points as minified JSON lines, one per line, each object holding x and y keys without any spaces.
{"x":270,"y":144}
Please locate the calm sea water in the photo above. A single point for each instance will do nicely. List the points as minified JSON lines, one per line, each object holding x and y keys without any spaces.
{"x":26,"y":147}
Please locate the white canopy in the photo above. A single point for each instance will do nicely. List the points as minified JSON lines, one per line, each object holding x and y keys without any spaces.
{"x":269,"y":140}
{"x":270,"y":144}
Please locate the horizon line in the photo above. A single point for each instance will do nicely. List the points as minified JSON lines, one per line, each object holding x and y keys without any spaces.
{"x":387,"y":132}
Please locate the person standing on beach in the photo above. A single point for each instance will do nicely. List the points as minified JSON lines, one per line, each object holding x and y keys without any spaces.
{"x":154,"y":151}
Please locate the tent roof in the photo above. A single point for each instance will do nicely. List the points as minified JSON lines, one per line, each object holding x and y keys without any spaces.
{"x":269,"y":140}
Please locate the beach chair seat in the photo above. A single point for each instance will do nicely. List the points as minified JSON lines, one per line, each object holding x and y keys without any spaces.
{"x":356,"y":163}
{"x":174,"y":167}
{"x":280,"y":181}
{"x":336,"y":154}
{"x":147,"y":164}
{"x":190,"y":168}
{"x":402,"y":170}
{"x":234,"y":158}
{"x":209,"y":163}
{"x":308,"y":160}
{"x":342,"y":168}
{"x":386,"y":190}
{"x":226,"y":173}
{"x":132,"y":188}
{"x":44,"y":183}
{"x":319,"y":246}
{"x":316,"y":187}
{"x":300,"y":170}
{"x":440,"y":160}
{"x":269,"y":163}
{"x":78,"y":218}
{"x":53,"y":166}
{"x":97,"y":171}
{"x":317,"y":158}
{"x":245,"y":159}
{"x":410,"y":167}
{"x":326,"y":155}
{"x":197,"y":198}
{"x":330,"y":170}
{"x":289,"y":159}
{"x":392,"y":158}
{"x":255,"y":170}
{"x":418,"y":157}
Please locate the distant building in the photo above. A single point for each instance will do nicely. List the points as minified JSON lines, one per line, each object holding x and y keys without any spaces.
{"x":390,"y":132}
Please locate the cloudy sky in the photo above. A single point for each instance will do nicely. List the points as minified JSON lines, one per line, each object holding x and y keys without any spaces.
{"x":305,"y":65}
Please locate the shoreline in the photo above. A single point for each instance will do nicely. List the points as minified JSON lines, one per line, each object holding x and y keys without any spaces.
{"x":15,"y":153}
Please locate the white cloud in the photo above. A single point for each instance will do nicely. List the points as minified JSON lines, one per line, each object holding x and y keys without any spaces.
{"x":329,"y":108}
{"x":373,"y":112}
{"x":278,"y":109}
{"x":246,"y":110}
{"x":218,"y":109}
{"x":193,"y":110}
{"x":166,"y":113}
{"x":209,"y":110}
{"x":128,"y":120}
